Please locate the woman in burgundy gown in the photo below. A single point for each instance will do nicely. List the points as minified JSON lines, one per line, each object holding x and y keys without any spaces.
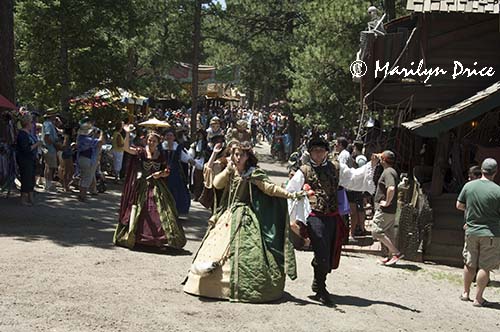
{"x":147,"y":210}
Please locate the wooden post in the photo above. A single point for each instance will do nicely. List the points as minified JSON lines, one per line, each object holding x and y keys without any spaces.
{"x":196,"y":59}
{"x":440,"y":164}
{"x":64,"y":60}
{"x":7,"y":65}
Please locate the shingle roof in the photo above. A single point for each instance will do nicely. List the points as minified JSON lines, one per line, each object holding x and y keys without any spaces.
{"x":455,"y":6}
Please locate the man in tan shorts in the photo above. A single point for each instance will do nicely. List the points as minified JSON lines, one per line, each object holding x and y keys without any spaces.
{"x":385,"y":200}
{"x":480,"y":199}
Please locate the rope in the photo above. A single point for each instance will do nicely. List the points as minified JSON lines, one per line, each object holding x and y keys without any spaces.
{"x":363,"y":104}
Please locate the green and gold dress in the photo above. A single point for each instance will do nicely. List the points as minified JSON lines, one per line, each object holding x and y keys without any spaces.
{"x":247,"y":242}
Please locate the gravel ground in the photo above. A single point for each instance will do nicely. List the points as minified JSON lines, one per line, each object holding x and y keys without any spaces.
{"x":59,"y":271}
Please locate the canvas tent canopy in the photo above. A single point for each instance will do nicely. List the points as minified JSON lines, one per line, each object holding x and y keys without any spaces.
{"x":113,"y":95}
{"x":183,"y":73}
{"x":5,"y":103}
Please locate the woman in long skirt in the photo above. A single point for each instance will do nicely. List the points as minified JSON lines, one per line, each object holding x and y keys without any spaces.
{"x":177,"y":184}
{"x":245,"y":254}
{"x":147,"y":212}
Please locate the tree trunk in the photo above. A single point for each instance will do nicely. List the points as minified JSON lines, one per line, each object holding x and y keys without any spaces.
{"x":390,"y":9}
{"x":7,"y":87}
{"x":63,"y":60}
{"x":7,"y":66}
{"x":251,"y":97}
{"x":196,"y":59}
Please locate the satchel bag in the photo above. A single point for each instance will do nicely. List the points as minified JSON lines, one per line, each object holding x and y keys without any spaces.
{"x":207,"y":198}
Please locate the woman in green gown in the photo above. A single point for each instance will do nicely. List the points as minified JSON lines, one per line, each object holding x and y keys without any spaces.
{"x":245,"y":254}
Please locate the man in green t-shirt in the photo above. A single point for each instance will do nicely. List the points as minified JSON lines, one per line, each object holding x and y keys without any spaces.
{"x":480,"y":199}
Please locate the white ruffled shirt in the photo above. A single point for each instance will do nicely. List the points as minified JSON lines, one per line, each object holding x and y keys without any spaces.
{"x":354,"y":179}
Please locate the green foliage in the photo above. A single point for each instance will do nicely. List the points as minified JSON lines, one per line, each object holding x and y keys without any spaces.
{"x":130,"y":44}
{"x":323,"y":92}
{"x":295,"y":50}
{"x":299,"y":50}
{"x":257,"y":36}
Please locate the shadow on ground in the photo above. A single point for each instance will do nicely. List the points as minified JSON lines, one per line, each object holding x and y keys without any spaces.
{"x":169,"y":251}
{"x":62,"y":219}
{"x":287,"y":297}
{"x":410,"y":267}
{"x":362,"y":302}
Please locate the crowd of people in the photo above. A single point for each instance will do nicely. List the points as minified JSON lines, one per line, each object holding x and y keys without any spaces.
{"x":72,"y":155}
{"x":246,"y":253}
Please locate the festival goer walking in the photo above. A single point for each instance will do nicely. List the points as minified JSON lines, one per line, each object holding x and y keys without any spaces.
{"x":177,"y":181}
{"x":66,"y":164}
{"x":198,"y":151}
{"x":96,"y":167}
{"x":241,"y":132}
{"x":344,"y":157}
{"x":117,"y":150}
{"x":480,"y":199}
{"x":26,"y":148}
{"x":87,"y":152}
{"x":246,"y":253}
{"x":474,"y":173}
{"x":356,"y":198}
{"x":50,"y":140}
{"x":215,"y":128}
{"x":219,"y":158}
{"x":147,"y":209}
{"x":327,"y":231}
{"x":385,"y":200}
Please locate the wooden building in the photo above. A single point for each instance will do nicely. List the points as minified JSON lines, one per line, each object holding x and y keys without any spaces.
{"x":435,"y":73}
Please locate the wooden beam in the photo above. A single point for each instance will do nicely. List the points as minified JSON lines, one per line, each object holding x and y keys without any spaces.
{"x":440,"y":164}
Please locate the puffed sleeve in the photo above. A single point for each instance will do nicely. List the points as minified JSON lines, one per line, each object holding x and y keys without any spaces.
{"x":296,"y":182}
{"x":209,"y":173}
{"x":272,"y":189}
{"x":221,"y":180}
{"x":357,"y":179}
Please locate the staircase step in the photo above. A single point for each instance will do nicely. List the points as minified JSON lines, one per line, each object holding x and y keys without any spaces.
{"x":448,"y":237}
{"x":440,"y":252}
{"x":452,"y":261}
{"x":375,"y":248}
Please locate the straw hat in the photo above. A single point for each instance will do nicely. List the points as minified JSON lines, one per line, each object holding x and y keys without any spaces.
{"x":154,"y":123}
{"x":215,"y":119}
{"x":50,"y":113}
{"x":86,"y":129}
{"x":241,"y":124}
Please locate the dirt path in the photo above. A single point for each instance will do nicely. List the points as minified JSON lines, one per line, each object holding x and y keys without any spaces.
{"x":60,"y":272}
